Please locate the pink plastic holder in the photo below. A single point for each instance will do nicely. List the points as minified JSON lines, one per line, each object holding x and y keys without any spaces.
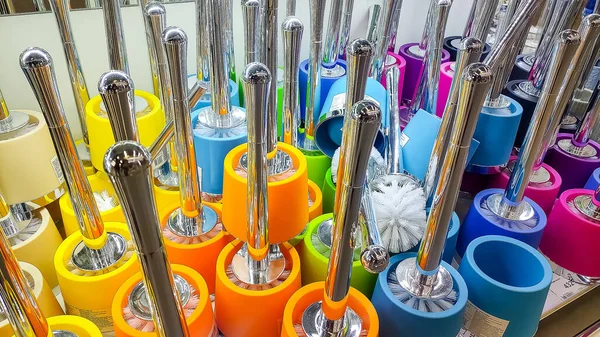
{"x":571,"y":238}
{"x":446,"y":76}
{"x":544,"y":194}
{"x":395,"y":60}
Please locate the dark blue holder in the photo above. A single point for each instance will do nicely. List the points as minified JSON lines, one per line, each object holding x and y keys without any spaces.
{"x":594,"y":181}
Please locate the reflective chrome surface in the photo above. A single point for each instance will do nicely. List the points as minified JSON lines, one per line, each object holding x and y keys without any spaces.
{"x":373,"y":257}
{"x":251,"y":15}
{"x":313,"y":96}
{"x":291,"y":32}
{"x":254,"y":272}
{"x":345,"y":28}
{"x":138,"y":301}
{"x":315,"y":324}
{"x":424,"y":286}
{"x":115,"y":37}
{"x":330,"y":47}
{"x":270,"y":44}
{"x":203,"y":39}
{"x":219,"y":73}
{"x":386,"y":28}
{"x":394,"y":149}
{"x":116,"y":89}
{"x":481,"y":19}
{"x":93,"y":260}
{"x":373,"y":25}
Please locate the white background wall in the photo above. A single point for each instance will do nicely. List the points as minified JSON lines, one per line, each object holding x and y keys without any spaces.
{"x":39,"y":30}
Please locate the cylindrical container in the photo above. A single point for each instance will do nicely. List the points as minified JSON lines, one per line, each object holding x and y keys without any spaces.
{"x":446,"y":76}
{"x":80,"y":326}
{"x":91,"y":295}
{"x":252,"y":313}
{"x":571,"y":235}
{"x":481,"y":220}
{"x":328,"y":189}
{"x":522,"y":67}
{"x":395,"y":60}
{"x":451,"y":44}
{"x":200,"y":320}
{"x":28,"y":161}
{"x":314,"y":263}
{"x":205,"y":100}
{"x":525,"y":100}
{"x":398,"y":319}
{"x":150,"y":122}
{"x":288,"y":209}
{"x":574,"y":170}
{"x":413,"y":68}
{"x":543,"y":188}
{"x":328,"y":78}
{"x":312,"y":293}
{"x":508,"y":284}
{"x":594,"y":180}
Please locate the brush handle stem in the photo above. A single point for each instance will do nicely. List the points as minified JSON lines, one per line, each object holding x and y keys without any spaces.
{"x":270,"y":44}
{"x":345,"y":28}
{"x":128,"y":166}
{"x":202,"y":43}
{"x":151,"y":48}
{"x":388,"y":25}
{"x":475,"y":81}
{"x":251,"y":15}
{"x":584,"y":132}
{"x":481,"y":18}
{"x":115,"y":38}
{"x":330,"y":48}
{"x":37,"y":66}
{"x":219,"y":78}
{"x":229,"y":43}
{"x":116,"y":89}
{"x":373,"y":257}
{"x":313,"y":96}
{"x":4,"y":112}
{"x":291,"y":31}
{"x":373,"y":25}
{"x":511,"y":8}
{"x":395,"y":164}
{"x":60,"y":8}
{"x":290,"y":9}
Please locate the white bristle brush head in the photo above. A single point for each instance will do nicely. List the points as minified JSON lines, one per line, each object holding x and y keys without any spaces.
{"x":376,"y":164}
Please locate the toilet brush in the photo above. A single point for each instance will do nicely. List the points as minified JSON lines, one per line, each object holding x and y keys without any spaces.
{"x":423,"y":295}
{"x":345,"y":27}
{"x":509,"y":212}
{"x":22,"y":308}
{"x":92,"y":263}
{"x":170,"y":297}
{"x":221,"y":126}
{"x":193,"y":230}
{"x":61,"y":10}
{"x":258,"y":270}
{"x":333,"y":308}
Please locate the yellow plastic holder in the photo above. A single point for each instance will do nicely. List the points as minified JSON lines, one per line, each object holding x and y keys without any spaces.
{"x":91,"y":296}
{"x":80,"y":326}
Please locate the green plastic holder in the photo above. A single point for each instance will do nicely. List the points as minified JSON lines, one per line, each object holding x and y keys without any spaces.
{"x":328,"y":189}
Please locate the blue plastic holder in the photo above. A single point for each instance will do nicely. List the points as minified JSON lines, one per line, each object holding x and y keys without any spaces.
{"x":205,"y":99}
{"x":417,"y":141}
{"x":496,"y":132}
{"x":508,"y":283}
{"x":210,"y":155}
{"x":481,"y":221}
{"x":328,"y":132}
{"x":451,"y":238}
{"x":325,"y":84}
{"x":397,"y":319}
{"x":594,"y":181}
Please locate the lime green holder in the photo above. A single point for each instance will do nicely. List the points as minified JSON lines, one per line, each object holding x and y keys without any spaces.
{"x":314,"y":265}
{"x":328,"y":189}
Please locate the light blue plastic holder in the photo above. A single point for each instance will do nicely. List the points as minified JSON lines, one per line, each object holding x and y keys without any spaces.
{"x":594,"y":181}
{"x":508,"y":283}
{"x":205,"y":99}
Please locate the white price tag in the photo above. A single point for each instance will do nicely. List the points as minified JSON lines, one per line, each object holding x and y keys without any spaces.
{"x":481,"y":324}
{"x":403,"y":139}
{"x":57,"y":169}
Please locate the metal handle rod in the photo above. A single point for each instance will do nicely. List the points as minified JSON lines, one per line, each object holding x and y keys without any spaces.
{"x":394,"y":149}
{"x":128,"y":166}
{"x":251,"y":15}
{"x":364,"y":121}
{"x":345,"y":28}
{"x":151,"y":50}
{"x":483,"y":16}
{"x":330,"y":48}
{"x":428,"y":22}
{"x":4,"y":112}
{"x":564,"y":50}
{"x":78,"y":84}
{"x":385,"y":30}
{"x":373,"y":257}
{"x":229,"y":43}
{"x":18,"y":300}
{"x":511,"y":8}
{"x":313,"y":96}
{"x":116,"y":89}
{"x":372,"y":26}
{"x":175,"y":44}
{"x":469,"y":52}
{"x":203,"y":44}
{"x":290,"y":8}
{"x":219,"y":79}
{"x":257,"y":82}
{"x":270,"y":45}
{"x":291,"y":31}
{"x":583,"y":134}
{"x":475,"y":82}
{"x":115,"y":38}
{"x":37,"y":66}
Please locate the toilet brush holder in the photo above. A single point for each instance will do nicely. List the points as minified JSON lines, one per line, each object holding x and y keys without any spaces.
{"x":397,"y":318}
{"x":481,"y":220}
{"x":572,"y":233}
{"x":309,"y":294}
{"x":543,"y":187}
{"x":594,"y":180}
{"x":414,"y":61}
{"x":315,"y":258}
{"x":327,"y":80}
{"x":317,"y":165}
{"x":253,"y":313}
{"x":451,"y":44}
{"x":451,"y":239}
{"x":80,"y":326}
{"x":395,"y":60}
{"x":328,"y":190}
{"x":288,"y":209}
{"x":197,"y":306}
{"x":573,"y":169}
{"x":522,"y":67}
{"x":205,"y":100}
{"x":508,"y":284}
{"x":27,"y":151}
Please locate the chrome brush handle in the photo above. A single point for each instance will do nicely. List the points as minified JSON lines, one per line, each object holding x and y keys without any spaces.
{"x":36,"y":64}
{"x":4,"y":112}
{"x":60,"y":8}
{"x":511,"y":8}
{"x":345,"y":28}
{"x":202,"y":43}
{"x":290,"y":8}
{"x":330,"y":48}
{"x":116,"y":89}
{"x":219,"y":79}
{"x":270,"y":43}
{"x":373,"y":257}
{"x":313,"y":96}
{"x":388,"y":25}
{"x":291,"y":31}
{"x":479,"y":24}
{"x":394,"y":149}
{"x":475,"y":81}
{"x":373,"y":25}
{"x":128,"y":166}
{"x":251,"y":15}
{"x":115,"y":38}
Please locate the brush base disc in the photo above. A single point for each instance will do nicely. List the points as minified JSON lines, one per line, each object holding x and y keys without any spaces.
{"x":212,"y":150}
{"x":78,"y":326}
{"x":288,"y":207}
{"x":100,"y":132}
{"x":522,"y":67}
{"x":200,"y":322}
{"x":313,"y":321}
{"x":29,"y":165}
{"x":413,"y":69}
{"x":323,"y":90}
{"x":205,"y":101}
{"x":89,"y":295}
{"x":569,"y":124}
{"x":409,"y":275}
{"x":571,"y":237}
{"x":527,"y":101}
{"x":542,"y":188}
{"x":594,"y":181}
{"x":328,"y":193}
{"x":98,"y":182}
{"x":312,"y":294}
{"x":314,"y":264}
{"x":241,"y":270}
{"x":574,"y":169}
{"x":394,"y":60}
{"x":482,"y":221}
{"x":317,"y":165}
{"x":399,"y":319}
{"x":252,"y":313}
{"x":508,"y":283}
{"x":202,"y":256}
